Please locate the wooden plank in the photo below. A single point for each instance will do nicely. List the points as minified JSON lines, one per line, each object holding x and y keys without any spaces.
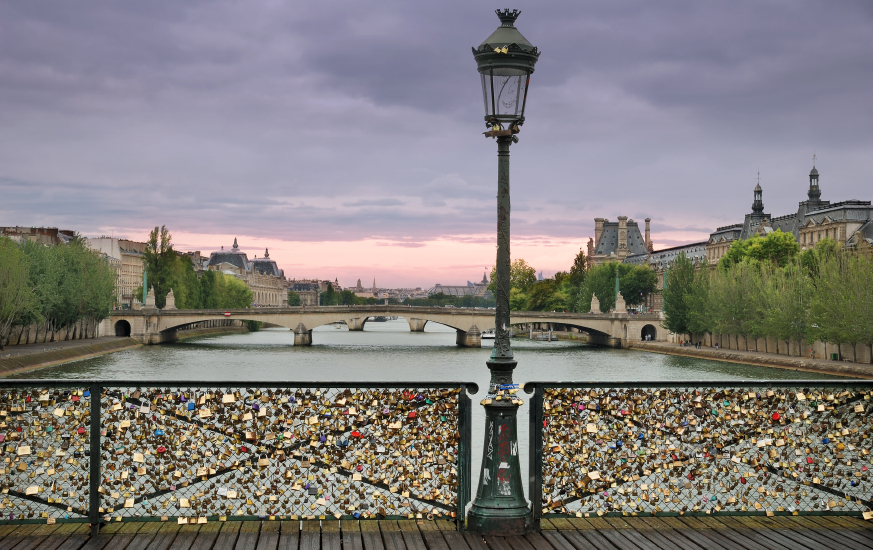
{"x":765,"y":535}
{"x":185,"y":538}
{"x":15,"y":537}
{"x":227,"y":536}
{"x":207,"y":536}
{"x":445,"y":525}
{"x":561,"y":523}
{"x":617,"y":523}
{"x":720,"y":538}
{"x":805,"y":537}
{"x":696,"y":537}
{"x":435,"y":540}
{"x":74,"y":542}
{"x":392,"y":538}
{"x":310,"y":539}
{"x":269,"y":539}
{"x":850,"y":537}
{"x":112,"y":528}
{"x":546,"y":524}
{"x":119,"y":542}
{"x":660,"y":539}
{"x":497,"y":543}
{"x":475,"y":542}
{"x":164,"y":537}
{"x":617,"y":540}
{"x":289,"y":535}
{"x":588,"y":538}
{"x":247,"y":539}
{"x":678,"y":541}
{"x":131,"y":527}
{"x":656,"y":523}
{"x":97,"y":543}
{"x":538,"y":542}
{"x":411,"y":535}
{"x":518,"y":543}
{"x":638,"y":540}
{"x":372,"y":539}
{"x":351,"y":532}
{"x":454,"y":539}
{"x":692,"y":522}
{"x":141,"y":541}
{"x":52,"y":542}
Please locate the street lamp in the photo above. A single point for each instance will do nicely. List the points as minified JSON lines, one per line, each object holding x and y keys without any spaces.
{"x":505,"y":61}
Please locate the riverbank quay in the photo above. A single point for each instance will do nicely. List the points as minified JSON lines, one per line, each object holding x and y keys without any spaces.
{"x":34,"y":356}
{"x":606,"y":533}
{"x":762,"y":359}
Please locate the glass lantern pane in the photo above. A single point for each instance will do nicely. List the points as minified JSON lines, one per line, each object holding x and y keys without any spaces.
{"x":486,"y":92}
{"x":508,"y":94}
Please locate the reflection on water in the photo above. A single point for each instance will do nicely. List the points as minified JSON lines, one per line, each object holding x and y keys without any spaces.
{"x":388,"y":351}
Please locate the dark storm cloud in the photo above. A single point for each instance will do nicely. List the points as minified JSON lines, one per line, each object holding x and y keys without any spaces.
{"x":342,"y":120}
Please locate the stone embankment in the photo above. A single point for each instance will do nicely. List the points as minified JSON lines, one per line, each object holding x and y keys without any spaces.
{"x":34,"y":356}
{"x":837,"y":368}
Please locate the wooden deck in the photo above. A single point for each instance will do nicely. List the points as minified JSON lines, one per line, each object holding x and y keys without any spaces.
{"x":668,"y":533}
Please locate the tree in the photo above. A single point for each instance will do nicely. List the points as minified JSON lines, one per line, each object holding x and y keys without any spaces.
{"x":294,"y":298}
{"x":159,"y":259}
{"x":636,"y":282}
{"x":521,"y":276}
{"x":579,"y":269}
{"x":679,"y":280}
{"x":186,"y":286}
{"x":777,"y":247}
{"x":17,"y":297}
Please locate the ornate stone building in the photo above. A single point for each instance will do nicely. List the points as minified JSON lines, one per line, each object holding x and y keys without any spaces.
{"x":129,"y":273}
{"x":262,"y":276}
{"x":849,"y":222}
{"x":615,"y":241}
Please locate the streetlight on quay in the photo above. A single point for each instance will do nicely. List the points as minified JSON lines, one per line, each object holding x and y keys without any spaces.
{"x":505,"y":62}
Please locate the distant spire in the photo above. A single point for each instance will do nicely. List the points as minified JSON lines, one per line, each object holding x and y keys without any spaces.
{"x":813,"y":158}
{"x":266,"y":253}
{"x":234,"y":243}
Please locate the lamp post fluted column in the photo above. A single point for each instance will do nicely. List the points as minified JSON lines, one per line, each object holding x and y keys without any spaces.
{"x":500,"y":507}
{"x":505,"y":61}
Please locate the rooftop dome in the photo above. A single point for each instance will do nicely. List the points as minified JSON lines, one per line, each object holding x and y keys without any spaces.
{"x":813,"y":172}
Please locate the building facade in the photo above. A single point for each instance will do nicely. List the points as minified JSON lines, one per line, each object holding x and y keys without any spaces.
{"x":130,"y":265}
{"x":848,"y":222}
{"x":261,"y":275}
{"x":615,"y":241}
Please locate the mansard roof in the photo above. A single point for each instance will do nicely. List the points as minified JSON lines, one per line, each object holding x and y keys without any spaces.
{"x":608,"y":242}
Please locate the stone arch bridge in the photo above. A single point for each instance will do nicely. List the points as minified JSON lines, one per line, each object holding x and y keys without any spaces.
{"x":154,"y":326}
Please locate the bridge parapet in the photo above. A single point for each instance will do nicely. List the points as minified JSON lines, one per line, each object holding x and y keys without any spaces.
{"x":153,"y":326}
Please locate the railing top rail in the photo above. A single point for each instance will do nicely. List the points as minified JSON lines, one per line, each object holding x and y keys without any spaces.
{"x":529,"y":387}
{"x":471,"y":387}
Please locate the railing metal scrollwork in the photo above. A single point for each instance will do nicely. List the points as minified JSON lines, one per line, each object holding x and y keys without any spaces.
{"x":206,"y":451}
{"x":639,"y":448}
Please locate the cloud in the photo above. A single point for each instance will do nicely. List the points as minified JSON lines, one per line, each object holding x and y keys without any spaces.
{"x":375,"y":202}
{"x":322,"y":122}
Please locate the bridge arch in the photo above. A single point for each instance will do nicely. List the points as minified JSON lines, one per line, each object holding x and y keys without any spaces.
{"x":122,"y":328}
{"x":649,"y":332}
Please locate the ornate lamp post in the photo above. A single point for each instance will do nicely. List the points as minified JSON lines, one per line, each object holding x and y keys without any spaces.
{"x":505,"y":61}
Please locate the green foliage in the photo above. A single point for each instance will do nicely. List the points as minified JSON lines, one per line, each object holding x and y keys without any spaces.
{"x":636,"y":282}
{"x":215,"y":290}
{"x":521,"y":276}
{"x":777,"y":247}
{"x":680,"y":279}
{"x":825,"y":293}
{"x":18,"y":298}
{"x":330,"y":297}
{"x":579,"y":269}
{"x":64,"y":284}
{"x":160,"y":263}
{"x":294,"y":298}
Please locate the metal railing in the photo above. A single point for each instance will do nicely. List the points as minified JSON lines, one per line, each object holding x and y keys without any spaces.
{"x":201,"y":451}
{"x":643,"y":448}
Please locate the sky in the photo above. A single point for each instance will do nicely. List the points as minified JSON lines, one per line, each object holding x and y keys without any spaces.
{"x":346,"y":136}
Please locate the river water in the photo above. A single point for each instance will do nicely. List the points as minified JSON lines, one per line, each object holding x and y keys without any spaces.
{"x":390,"y":352}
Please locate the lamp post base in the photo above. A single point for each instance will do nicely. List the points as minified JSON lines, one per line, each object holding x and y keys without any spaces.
{"x":500,"y":508}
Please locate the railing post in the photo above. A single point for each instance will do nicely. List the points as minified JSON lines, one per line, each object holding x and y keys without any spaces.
{"x":535,"y":448}
{"x":94,"y":461}
{"x":465,"y":419}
